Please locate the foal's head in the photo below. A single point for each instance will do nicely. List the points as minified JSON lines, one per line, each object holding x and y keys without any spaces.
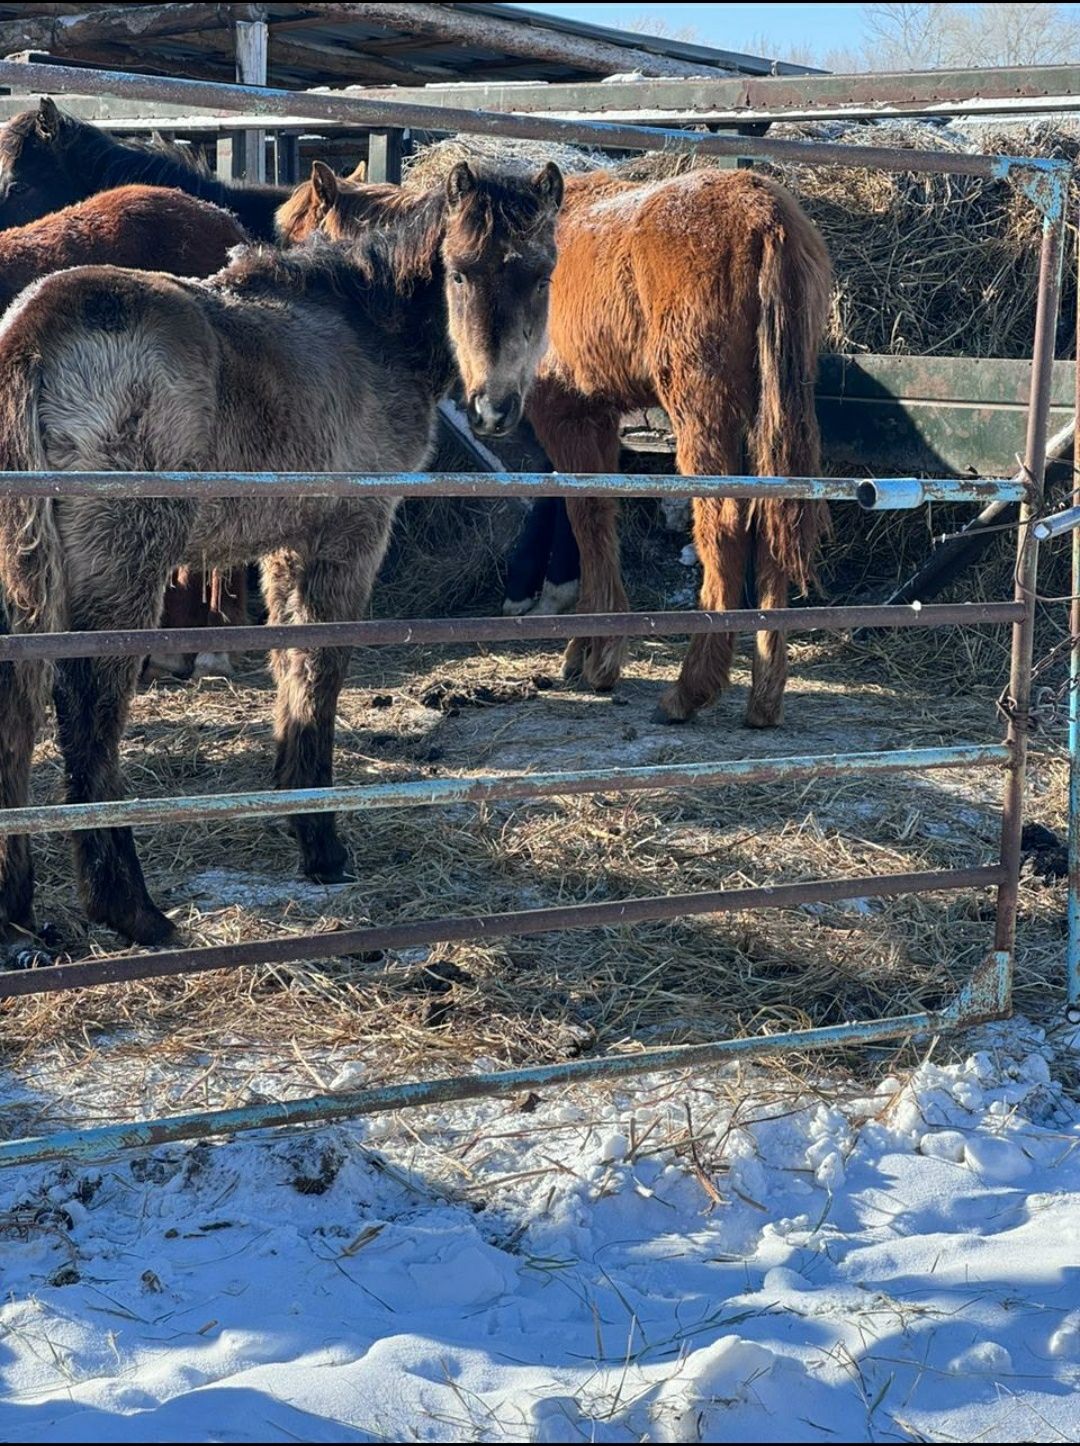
{"x":493,"y":233}
{"x":35,"y":177}
{"x":498,"y":252}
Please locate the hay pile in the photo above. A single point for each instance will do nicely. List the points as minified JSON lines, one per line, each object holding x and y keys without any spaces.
{"x":925,"y":264}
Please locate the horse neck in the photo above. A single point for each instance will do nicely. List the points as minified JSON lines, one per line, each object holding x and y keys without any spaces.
{"x":413,"y":281}
{"x":108,"y":163}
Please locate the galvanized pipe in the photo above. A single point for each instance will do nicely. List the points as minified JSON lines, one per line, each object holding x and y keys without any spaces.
{"x":618,"y":914}
{"x":425,"y":792}
{"x":84,"y":1147}
{"x":379,"y":115}
{"x":135,"y":642}
{"x":202,"y":485}
{"x":1072,"y":952}
{"x":1027,"y":567}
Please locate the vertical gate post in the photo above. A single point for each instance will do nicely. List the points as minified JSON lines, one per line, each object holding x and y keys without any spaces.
{"x":1073,"y":950}
{"x":1027,"y":564}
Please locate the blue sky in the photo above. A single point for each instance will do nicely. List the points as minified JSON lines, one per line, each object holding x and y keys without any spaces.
{"x":731,"y":26}
{"x":738,"y":27}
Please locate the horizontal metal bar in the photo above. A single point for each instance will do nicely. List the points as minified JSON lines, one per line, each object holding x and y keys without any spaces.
{"x":137,"y":642}
{"x":368,"y":940}
{"x":103,"y":1141}
{"x":268,"y":101}
{"x":984,"y":996}
{"x":268,"y":803}
{"x":499,"y":484}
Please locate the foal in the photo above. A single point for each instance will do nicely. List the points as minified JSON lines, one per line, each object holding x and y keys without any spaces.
{"x":705,"y":294}
{"x":328,"y":359}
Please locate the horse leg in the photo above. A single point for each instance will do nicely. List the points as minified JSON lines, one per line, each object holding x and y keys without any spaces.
{"x":312,"y":590}
{"x":20,"y":686}
{"x":528,"y":558}
{"x":769,"y":669}
{"x":722,"y":540}
{"x":92,"y":697}
{"x":709,"y":447}
{"x":582,"y":435}
{"x":562,"y":576}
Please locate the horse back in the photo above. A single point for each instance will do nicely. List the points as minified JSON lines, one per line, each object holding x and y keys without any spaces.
{"x":145,"y":227}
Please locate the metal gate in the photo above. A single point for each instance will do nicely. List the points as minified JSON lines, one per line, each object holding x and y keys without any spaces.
{"x":986,"y":995}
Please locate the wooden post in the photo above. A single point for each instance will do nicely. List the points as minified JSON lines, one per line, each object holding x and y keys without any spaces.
{"x":251,"y":43}
{"x":385,"y":152}
{"x":227,"y":156}
{"x":286,"y":159}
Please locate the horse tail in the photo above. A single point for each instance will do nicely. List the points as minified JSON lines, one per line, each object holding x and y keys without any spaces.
{"x":794,"y":285}
{"x":31,"y":552}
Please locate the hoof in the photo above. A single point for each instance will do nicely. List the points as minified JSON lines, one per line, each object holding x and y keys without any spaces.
{"x":212,"y":665}
{"x":177,"y":666}
{"x":573,"y":668}
{"x":659,"y":715}
{"x":762,"y":720}
{"x":341,"y":874}
{"x":557,"y":598}
{"x":517,"y":607}
{"x":147,"y":925}
{"x":603,"y":663}
{"x":325,"y":860}
{"x":29,"y":957}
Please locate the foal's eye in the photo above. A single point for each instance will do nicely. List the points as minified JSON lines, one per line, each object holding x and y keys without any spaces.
{"x":457,"y":278}
{"x":543,"y":283}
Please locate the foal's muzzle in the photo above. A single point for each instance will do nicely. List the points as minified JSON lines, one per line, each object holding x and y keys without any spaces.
{"x":489,"y":418}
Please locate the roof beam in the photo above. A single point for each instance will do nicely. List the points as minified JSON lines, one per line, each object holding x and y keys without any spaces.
{"x":453,"y":25}
{"x":63,"y":35}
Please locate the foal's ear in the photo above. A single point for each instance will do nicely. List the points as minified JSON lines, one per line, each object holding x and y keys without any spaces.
{"x":359,"y":176}
{"x":49,"y":119}
{"x":324,"y":183}
{"x":460,"y":183}
{"x":549,"y":182}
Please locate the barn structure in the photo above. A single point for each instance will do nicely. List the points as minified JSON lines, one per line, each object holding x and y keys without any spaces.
{"x":341,"y":45}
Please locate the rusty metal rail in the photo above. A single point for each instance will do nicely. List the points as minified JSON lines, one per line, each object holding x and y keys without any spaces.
{"x":987,"y":993}
{"x":267,"y":101}
{"x":455,"y":929}
{"x":134,"y":642}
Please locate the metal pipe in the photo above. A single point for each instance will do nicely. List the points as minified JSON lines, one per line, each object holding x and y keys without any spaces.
{"x":1072,"y":952}
{"x":425,"y":792}
{"x":202,"y":485}
{"x":1027,"y":566}
{"x":900,"y":494}
{"x":368,"y":940}
{"x":1050,"y":527}
{"x":135,"y":642}
{"x":264,"y":101}
{"x":100,"y":1143}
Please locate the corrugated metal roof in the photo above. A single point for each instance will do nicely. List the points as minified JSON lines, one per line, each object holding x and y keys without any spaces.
{"x":307,"y":50}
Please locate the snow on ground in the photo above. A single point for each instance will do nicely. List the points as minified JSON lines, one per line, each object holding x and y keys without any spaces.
{"x":683,"y":1263}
